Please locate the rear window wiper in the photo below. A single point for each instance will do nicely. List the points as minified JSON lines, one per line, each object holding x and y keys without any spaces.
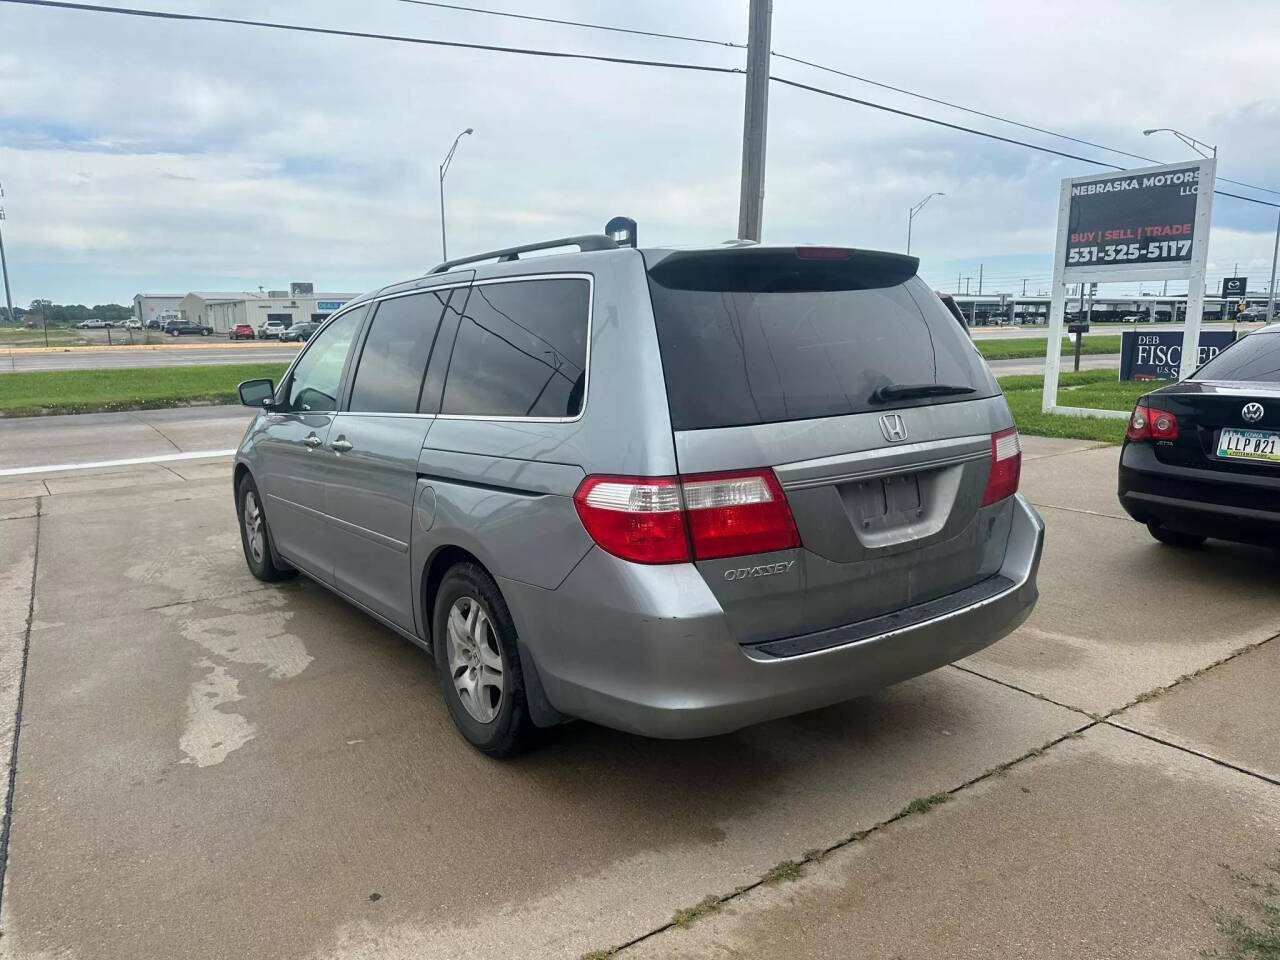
{"x":912,"y":391}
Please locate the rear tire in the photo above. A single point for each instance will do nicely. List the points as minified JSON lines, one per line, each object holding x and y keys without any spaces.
{"x":1175,"y":538}
{"x":478,"y":663}
{"x":255,"y":535}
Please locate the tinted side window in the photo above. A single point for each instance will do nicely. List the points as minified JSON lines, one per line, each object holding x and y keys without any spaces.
{"x":1255,"y":358}
{"x":315,"y":381}
{"x":521,"y":350}
{"x":394,"y":358}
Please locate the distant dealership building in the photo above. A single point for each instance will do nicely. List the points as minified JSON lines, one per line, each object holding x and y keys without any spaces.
{"x":150,"y":306}
{"x":222,"y":315}
{"x":197,"y":306}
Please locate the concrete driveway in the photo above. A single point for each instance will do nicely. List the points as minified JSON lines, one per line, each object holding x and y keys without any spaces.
{"x":210,"y":767}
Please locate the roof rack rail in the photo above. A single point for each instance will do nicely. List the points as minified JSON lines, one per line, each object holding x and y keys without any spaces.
{"x":588,"y":241}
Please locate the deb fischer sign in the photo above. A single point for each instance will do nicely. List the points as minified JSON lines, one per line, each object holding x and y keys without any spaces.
{"x":1158,"y":355}
{"x":1143,"y":218}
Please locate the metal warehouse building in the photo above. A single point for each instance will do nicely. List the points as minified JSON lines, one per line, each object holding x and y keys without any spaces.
{"x":255,"y":310}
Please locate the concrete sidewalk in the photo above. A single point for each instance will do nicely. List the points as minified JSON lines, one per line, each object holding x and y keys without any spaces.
{"x":211,"y":767}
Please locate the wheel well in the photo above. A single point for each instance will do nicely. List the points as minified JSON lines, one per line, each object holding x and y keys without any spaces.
{"x":444,"y":558}
{"x":239,"y":472}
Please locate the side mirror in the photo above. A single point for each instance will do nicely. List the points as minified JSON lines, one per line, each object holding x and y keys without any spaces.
{"x":257,"y":393}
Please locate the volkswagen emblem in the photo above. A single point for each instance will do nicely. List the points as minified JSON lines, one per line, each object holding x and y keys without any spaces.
{"x":1251,"y":413}
{"x":894,"y":430}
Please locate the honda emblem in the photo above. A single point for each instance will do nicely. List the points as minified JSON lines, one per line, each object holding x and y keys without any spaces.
{"x":894,"y":430}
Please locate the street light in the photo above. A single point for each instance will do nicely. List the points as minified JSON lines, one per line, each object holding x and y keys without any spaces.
{"x":1190,"y":141}
{"x":4,"y":268}
{"x":911,"y":214}
{"x":444,"y":168}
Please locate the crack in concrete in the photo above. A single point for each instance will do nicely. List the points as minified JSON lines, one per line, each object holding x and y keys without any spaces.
{"x":6,"y":829}
{"x":820,"y":854}
{"x":816,"y":856}
{"x":1087,"y":513}
{"x":151,"y":426}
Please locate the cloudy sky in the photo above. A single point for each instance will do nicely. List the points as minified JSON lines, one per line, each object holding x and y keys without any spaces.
{"x":144,"y":155}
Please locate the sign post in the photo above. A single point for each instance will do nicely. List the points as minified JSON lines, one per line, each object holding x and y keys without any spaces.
{"x":1132,"y":226}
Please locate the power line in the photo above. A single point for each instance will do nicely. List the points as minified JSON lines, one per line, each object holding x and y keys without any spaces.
{"x":980,"y":133}
{"x":575,"y":23}
{"x":397,"y":38}
{"x":997,"y":117}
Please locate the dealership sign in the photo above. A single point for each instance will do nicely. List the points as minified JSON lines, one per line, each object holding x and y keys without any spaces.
{"x":1133,"y":219}
{"x":328,"y":306}
{"x":1132,"y":226}
{"x":1234,"y":286}
{"x":1158,"y":355}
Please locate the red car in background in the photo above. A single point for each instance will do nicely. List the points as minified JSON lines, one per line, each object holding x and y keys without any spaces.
{"x":242,"y":331}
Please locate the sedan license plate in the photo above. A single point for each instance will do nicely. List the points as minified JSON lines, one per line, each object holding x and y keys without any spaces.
{"x":1261,"y":445}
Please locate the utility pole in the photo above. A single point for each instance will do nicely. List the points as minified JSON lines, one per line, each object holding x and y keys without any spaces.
{"x":980,"y":279}
{"x":754,"y":121}
{"x":958,"y":278}
{"x":4,"y":266}
{"x":1271,"y":287}
{"x":1024,"y":286}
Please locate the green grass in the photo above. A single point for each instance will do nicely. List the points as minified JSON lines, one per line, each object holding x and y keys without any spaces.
{"x":22,"y":337}
{"x":1254,"y":932}
{"x":1017,"y":348}
{"x":138,"y":388}
{"x":1097,"y":389}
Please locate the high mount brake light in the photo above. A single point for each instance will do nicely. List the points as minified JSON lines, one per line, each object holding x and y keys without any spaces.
{"x":692,"y":517}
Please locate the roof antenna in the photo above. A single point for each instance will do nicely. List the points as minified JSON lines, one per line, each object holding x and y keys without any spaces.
{"x":622,"y":231}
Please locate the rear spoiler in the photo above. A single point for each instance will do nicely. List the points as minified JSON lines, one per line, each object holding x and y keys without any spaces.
{"x":758,"y":269}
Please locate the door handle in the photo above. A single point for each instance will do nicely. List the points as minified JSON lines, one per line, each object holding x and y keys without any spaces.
{"x":311,"y":440}
{"x":341,"y":445}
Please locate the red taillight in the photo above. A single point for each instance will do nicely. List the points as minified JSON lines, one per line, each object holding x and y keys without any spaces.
{"x":636,"y":518}
{"x":1151,"y":423}
{"x":677,"y":519}
{"x":736,"y":513}
{"x":823,"y":253}
{"x":1006,"y":466}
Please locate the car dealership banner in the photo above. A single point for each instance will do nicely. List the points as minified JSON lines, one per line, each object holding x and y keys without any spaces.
{"x":1148,"y":218}
{"x":1132,"y":226}
{"x":1158,"y":355}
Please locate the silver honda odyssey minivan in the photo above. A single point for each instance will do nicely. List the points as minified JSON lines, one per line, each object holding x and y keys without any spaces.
{"x":672,"y":491}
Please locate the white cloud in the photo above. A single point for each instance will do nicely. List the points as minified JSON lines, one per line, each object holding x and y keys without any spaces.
{"x":144,"y":153}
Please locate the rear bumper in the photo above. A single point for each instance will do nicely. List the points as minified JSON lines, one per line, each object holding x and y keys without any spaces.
{"x":1200,"y":502}
{"x":648,"y":650}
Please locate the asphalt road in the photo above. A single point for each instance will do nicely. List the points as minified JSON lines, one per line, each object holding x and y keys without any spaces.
{"x":205,"y":352}
{"x":211,"y":767}
{"x":166,"y":355}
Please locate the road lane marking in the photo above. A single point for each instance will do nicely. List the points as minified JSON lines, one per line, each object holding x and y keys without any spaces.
{"x":127,"y":462}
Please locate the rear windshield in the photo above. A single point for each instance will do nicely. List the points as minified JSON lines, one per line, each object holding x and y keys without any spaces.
{"x":1255,"y":359}
{"x":765,"y":335}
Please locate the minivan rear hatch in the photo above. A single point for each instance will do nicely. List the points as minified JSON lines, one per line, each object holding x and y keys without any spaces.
{"x":844,"y":373}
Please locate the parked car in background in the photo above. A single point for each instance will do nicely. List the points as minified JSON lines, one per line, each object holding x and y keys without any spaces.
{"x":176,"y":328}
{"x":242,"y":331}
{"x":1134,"y":318}
{"x":675,"y":492}
{"x":133,"y":325}
{"x":94,"y":324}
{"x":300,"y":331}
{"x":1201,"y":457}
{"x":271,"y":329}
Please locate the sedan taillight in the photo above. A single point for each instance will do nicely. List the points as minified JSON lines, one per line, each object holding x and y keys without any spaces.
{"x":692,"y":517}
{"x":1151,"y":423}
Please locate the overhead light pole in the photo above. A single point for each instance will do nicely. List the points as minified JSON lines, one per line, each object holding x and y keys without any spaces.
{"x":444,"y":168}
{"x":911,"y":214}
{"x":4,"y":266}
{"x":1189,"y":140}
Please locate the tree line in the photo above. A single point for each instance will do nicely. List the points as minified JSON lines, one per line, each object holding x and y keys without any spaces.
{"x":65,"y":314}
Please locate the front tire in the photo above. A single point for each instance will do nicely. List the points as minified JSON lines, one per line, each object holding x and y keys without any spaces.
{"x":255,"y":535}
{"x":1175,"y":538}
{"x":478,"y":663}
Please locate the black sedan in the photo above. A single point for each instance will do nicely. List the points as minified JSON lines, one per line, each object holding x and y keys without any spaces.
{"x":1202,"y":457}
